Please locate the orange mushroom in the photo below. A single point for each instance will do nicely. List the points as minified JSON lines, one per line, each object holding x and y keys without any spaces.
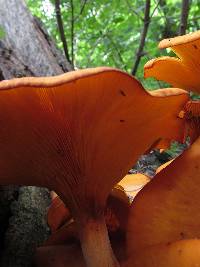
{"x":161,"y":167}
{"x":63,"y":227}
{"x":58,"y":214}
{"x":164,"y":221}
{"x":59,"y":256}
{"x":183,"y":72}
{"x":57,"y":132}
{"x":180,"y":72}
{"x":133,"y":183}
{"x":182,"y":253}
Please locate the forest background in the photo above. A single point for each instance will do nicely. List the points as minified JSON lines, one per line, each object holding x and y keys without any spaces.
{"x":118,"y":33}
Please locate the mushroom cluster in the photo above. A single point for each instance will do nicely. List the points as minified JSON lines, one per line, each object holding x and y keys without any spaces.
{"x":164,"y":224}
{"x":79,"y":134}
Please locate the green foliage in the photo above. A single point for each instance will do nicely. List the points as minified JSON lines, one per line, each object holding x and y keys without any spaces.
{"x":2,"y":33}
{"x":176,"y":149}
{"x":108,"y":32}
{"x":194,"y":96}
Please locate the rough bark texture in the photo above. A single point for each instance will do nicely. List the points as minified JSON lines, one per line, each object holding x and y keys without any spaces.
{"x":8,"y":194}
{"x":26,"y":50}
{"x":26,"y":37}
{"x":10,"y":65}
{"x":27,"y":227}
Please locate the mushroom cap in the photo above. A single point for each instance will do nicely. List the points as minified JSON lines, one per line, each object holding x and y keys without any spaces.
{"x":184,"y":253}
{"x":182,"y":71}
{"x":164,"y":165}
{"x":58,"y":131}
{"x":166,"y":210}
{"x":191,"y":114}
{"x":183,"y":39}
{"x":58,"y":214}
{"x":133,"y":183}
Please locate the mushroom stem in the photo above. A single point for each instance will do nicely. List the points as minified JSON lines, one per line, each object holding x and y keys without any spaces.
{"x":96,"y":245}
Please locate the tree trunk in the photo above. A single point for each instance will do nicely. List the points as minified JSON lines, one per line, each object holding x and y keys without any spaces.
{"x":29,"y":41}
{"x":25,"y":50}
{"x":139,"y":53}
{"x":184,"y":16}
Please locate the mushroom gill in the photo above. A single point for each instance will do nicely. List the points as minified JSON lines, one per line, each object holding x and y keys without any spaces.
{"x":78,"y":134}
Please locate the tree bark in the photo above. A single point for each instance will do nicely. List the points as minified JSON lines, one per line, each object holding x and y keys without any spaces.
{"x":26,"y":50}
{"x":139,"y":53}
{"x":184,"y":16}
{"x":10,"y":65}
{"x":27,"y":39}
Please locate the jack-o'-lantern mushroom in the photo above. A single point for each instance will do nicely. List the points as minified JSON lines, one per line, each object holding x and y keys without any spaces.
{"x":182,"y":71}
{"x":164,"y":221}
{"x":58,"y":214}
{"x":59,"y":131}
{"x":133,"y":183}
{"x":62,"y":247}
{"x":164,"y":165}
{"x":63,"y":227}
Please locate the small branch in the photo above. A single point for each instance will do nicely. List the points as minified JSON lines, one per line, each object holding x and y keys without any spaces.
{"x":83,"y":7}
{"x":72,"y":30}
{"x":61,"y":29}
{"x":194,"y":18}
{"x":81,"y":10}
{"x":184,"y":16}
{"x":98,"y":40}
{"x":139,"y":53}
{"x":157,"y":6}
{"x":117,"y":51}
{"x":133,"y":10}
{"x":115,"y":62}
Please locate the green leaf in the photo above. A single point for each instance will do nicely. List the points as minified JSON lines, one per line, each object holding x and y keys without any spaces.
{"x":2,"y":32}
{"x":118,"y":20}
